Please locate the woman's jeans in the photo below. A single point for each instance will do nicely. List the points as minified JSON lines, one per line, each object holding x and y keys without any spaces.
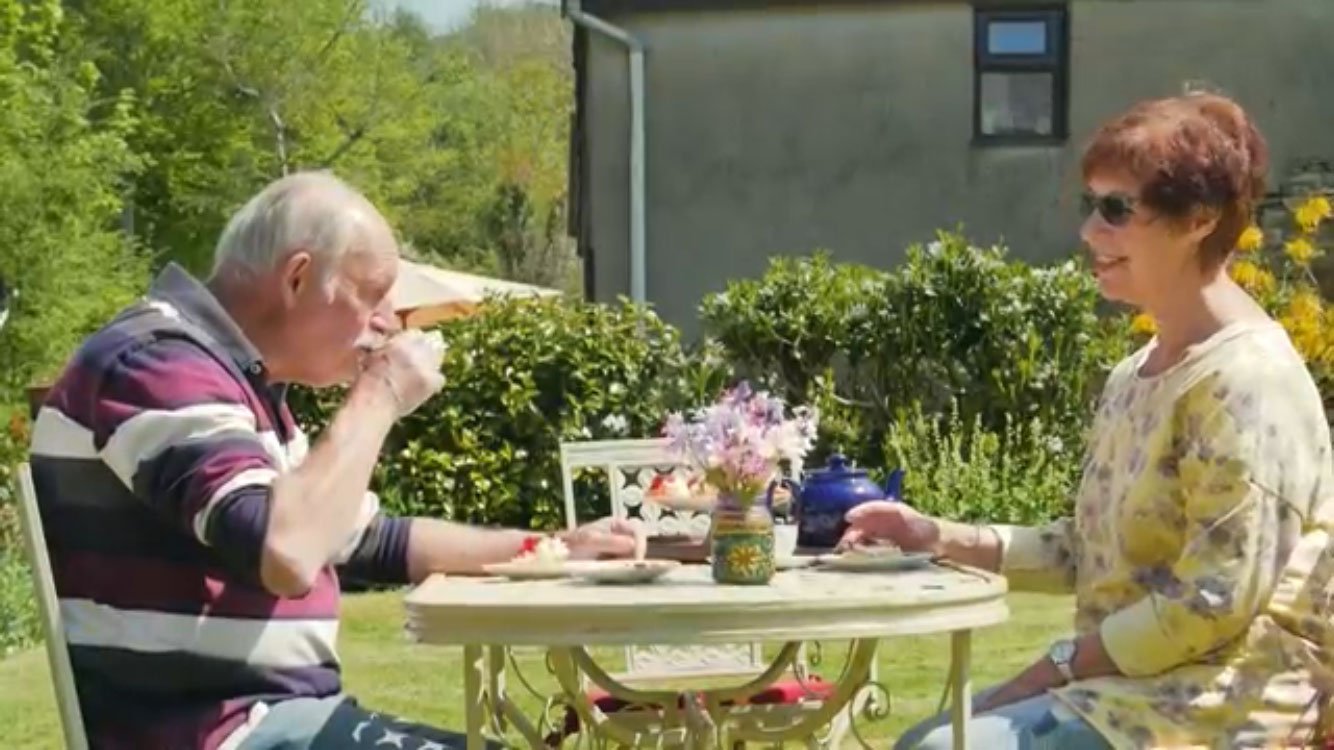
{"x":1038,"y":723}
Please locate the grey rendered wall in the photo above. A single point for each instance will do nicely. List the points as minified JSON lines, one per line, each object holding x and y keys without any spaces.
{"x":850,"y":127}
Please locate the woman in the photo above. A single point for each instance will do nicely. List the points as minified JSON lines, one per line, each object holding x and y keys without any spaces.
{"x":1197,"y":550}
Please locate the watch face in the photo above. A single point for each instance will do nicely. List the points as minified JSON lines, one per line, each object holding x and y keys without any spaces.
{"x":1063,"y":651}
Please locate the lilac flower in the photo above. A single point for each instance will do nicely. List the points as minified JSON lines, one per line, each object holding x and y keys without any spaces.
{"x":740,"y":441}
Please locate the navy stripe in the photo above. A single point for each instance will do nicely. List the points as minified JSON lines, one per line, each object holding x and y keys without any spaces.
{"x":237,"y":529}
{"x":182,"y":478}
{"x":118,"y":531}
{"x":382,"y":556}
{"x":80,"y":482}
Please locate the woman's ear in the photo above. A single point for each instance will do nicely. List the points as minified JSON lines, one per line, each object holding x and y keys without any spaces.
{"x":1202,"y":222}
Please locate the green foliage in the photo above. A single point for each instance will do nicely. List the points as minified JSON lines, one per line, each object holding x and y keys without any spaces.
{"x":794,"y":325}
{"x":1007,"y":341}
{"x":519,"y":380}
{"x":436,"y":130}
{"x":1005,"y":344}
{"x":60,"y":184}
{"x":962,"y":470}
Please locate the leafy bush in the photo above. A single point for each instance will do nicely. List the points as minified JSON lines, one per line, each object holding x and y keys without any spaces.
{"x":793,"y":327}
{"x":1004,"y":343}
{"x":520,"y":379}
{"x":962,"y":470}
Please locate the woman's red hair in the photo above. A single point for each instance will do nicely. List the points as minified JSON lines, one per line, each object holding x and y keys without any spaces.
{"x":1190,"y":152}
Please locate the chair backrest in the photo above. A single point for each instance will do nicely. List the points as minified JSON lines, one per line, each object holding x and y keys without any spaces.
{"x":630,"y":466}
{"x":44,"y":586}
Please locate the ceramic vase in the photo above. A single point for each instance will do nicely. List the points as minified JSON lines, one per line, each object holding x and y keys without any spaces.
{"x":742,"y":541}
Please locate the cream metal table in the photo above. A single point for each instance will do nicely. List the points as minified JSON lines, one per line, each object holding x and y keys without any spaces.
{"x":487,"y":615}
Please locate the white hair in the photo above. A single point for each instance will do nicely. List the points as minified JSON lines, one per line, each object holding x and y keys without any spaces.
{"x":311,"y":211}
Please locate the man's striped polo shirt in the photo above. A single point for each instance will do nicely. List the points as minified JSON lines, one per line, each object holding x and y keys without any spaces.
{"x":153,"y":457}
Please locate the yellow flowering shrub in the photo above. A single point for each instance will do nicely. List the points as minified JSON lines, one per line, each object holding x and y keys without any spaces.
{"x":1278,"y":274}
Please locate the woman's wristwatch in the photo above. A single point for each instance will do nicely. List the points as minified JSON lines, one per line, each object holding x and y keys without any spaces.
{"x":1062,"y":654}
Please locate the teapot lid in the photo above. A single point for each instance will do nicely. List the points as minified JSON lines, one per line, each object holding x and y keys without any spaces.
{"x":837,"y":469}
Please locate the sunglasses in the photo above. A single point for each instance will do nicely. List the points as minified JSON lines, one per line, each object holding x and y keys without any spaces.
{"x":1115,"y":208}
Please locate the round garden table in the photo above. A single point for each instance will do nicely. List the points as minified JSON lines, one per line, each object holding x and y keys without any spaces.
{"x":566,"y":616}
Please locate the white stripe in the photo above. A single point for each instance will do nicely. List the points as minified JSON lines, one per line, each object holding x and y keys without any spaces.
{"x":57,"y":436}
{"x":297,"y":448}
{"x":370,"y":506}
{"x":148,"y":433}
{"x":278,"y":644}
{"x":247,"y":478}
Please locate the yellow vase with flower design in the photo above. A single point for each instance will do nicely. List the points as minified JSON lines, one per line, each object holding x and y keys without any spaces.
{"x":742,"y":541}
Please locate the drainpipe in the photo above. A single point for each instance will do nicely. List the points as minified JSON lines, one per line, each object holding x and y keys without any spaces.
{"x":638,"y":260}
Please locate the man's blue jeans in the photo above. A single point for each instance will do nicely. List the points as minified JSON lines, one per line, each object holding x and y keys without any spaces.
{"x":338,"y":723}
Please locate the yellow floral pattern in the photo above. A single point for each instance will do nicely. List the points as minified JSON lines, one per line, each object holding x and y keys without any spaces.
{"x":1200,"y":549}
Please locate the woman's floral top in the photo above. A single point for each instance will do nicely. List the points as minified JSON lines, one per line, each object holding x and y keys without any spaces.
{"x":1200,"y":549}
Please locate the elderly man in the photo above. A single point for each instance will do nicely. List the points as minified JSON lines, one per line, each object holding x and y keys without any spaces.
{"x":193,"y":532}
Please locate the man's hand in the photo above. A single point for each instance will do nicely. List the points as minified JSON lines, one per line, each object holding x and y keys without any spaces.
{"x":608,"y":538}
{"x":408,"y":366}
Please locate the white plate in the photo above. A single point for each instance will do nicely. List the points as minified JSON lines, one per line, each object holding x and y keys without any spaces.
{"x":624,"y":571}
{"x":875,"y":563}
{"x":526,"y":571}
{"x":794,"y":562}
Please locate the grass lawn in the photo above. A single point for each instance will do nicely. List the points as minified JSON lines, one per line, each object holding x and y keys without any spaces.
{"x":387,"y":672}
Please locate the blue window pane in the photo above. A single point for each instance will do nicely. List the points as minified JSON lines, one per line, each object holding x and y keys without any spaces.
{"x":1017,"y":37}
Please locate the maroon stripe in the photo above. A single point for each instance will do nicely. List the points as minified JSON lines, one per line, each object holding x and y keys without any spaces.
{"x":183,"y":478}
{"x":114,"y":377}
{"x":181,"y":588}
{"x":168,"y":374}
{"x":203,"y":729}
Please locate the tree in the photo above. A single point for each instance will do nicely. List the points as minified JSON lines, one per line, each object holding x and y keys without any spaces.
{"x":61,"y":185}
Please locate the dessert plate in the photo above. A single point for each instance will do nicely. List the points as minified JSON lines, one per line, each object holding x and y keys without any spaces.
{"x":623,"y":571}
{"x":524,"y":570}
{"x":879,"y":561}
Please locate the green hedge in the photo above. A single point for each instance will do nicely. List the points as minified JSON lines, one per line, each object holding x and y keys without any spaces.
{"x":956,"y":327}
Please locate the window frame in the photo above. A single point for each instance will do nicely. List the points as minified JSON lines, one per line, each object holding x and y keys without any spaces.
{"x":1056,"y":61}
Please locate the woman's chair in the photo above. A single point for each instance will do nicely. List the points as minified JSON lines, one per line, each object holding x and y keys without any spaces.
{"x":48,"y":605}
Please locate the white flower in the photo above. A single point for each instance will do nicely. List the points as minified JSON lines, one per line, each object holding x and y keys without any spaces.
{"x":615,"y":424}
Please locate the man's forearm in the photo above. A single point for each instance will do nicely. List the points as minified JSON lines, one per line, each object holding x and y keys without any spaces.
{"x":442,"y":547}
{"x":314,"y":509}
{"x":976,"y":546}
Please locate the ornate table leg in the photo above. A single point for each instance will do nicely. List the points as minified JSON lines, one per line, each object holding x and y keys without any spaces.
{"x":961,"y":644}
{"x":495,"y":672}
{"x":474,"y":696}
{"x":706,"y":714}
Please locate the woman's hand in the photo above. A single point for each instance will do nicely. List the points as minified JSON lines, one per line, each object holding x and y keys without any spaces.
{"x":900,"y":525}
{"x":893,"y":522}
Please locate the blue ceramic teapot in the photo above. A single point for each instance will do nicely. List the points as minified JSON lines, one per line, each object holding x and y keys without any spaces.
{"x":821,"y":502}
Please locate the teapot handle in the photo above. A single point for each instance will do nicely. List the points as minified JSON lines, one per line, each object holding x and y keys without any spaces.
{"x":894,"y":485}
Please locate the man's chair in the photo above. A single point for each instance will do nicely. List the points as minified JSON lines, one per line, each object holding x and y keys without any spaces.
{"x":53,"y":630}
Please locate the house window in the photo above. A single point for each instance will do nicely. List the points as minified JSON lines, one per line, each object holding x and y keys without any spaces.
{"x":1021,"y":59}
